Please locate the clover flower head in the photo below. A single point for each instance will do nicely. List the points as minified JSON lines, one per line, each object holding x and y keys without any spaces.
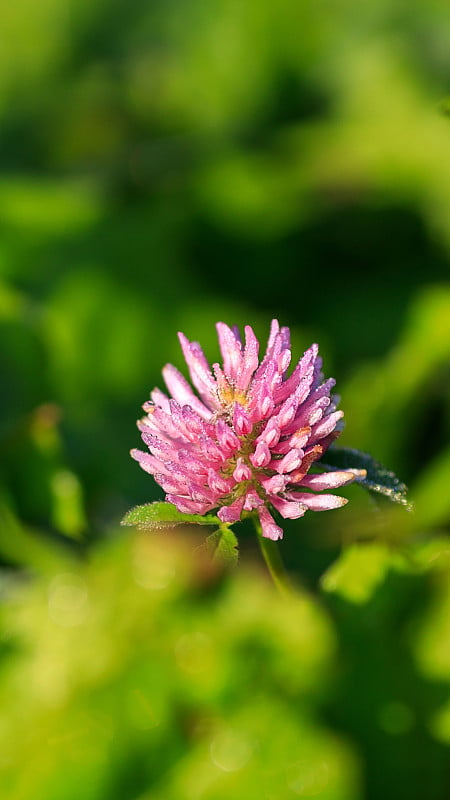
{"x":248,"y":438}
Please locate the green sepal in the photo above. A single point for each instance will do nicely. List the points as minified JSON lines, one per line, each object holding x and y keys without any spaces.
{"x":222,"y":546}
{"x":155,"y":516}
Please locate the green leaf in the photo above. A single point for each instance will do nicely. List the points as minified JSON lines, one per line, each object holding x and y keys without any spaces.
{"x":378,"y":479}
{"x":222,"y":545}
{"x":155,"y":516}
{"x":359,"y":571}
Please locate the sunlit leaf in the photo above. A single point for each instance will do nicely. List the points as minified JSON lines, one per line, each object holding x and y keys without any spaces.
{"x":154,"y":516}
{"x":378,"y":479}
{"x":358,"y":572}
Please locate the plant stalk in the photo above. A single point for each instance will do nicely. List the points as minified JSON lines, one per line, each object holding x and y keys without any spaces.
{"x":274,"y":563}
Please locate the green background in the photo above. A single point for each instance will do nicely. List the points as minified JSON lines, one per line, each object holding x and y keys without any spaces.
{"x":167,"y":164}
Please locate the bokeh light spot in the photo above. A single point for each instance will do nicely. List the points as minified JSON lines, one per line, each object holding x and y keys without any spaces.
{"x":68,"y":601}
{"x":230,"y":750}
{"x":308,"y":779}
{"x":154,"y":574}
{"x":396,"y":718}
{"x":193,"y":652}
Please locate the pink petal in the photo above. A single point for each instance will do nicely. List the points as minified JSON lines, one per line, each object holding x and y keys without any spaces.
{"x":274,"y":331}
{"x":289,"y":462}
{"x":177,"y":472}
{"x":311,"y":454}
{"x":324,"y":389}
{"x":261,"y":457}
{"x":318,"y":502}
{"x":158,"y":448}
{"x":193,"y":423}
{"x":252,"y":500}
{"x":261,"y":402}
{"x":249,"y":360}
{"x":284,"y":360}
{"x":162,"y":425}
{"x":160,"y":399}
{"x":285,"y":338}
{"x":210,"y":449}
{"x":233,"y":512}
{"x":326,"y":426}
{"x":270,"y":435}
{"x":231,"y":348}
{"x":169,"y":483}
{"x":199,"y":371}
{"x":267,"y":406}
{"x":223,"y":383}
{"x":226,"y":437}
{"x":302,"y":372}
{"x":270,"y":530}
{"x":218,"y":483}
{"x":288,"y":509}
{"x":242,"y":471}
{"x":241,"y":421}
{"x":192,"y":464}
{"x":275,"y":484}
{"x":181,"y":391}
{"x":287,"y":412}
{"x":187,"y":506}
{"x":295,"y":442}
{"x":148,"y":462}
{"x":201,"y":494}
{"x":328,"y":480}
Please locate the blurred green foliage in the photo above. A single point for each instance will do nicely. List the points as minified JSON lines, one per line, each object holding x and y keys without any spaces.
{"x":166,"y":165}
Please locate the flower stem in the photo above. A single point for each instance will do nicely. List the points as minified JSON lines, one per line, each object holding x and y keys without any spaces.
{"x":274,"y":563}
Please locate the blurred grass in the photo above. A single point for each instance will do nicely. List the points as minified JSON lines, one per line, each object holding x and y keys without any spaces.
{"x":166,"y":165}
